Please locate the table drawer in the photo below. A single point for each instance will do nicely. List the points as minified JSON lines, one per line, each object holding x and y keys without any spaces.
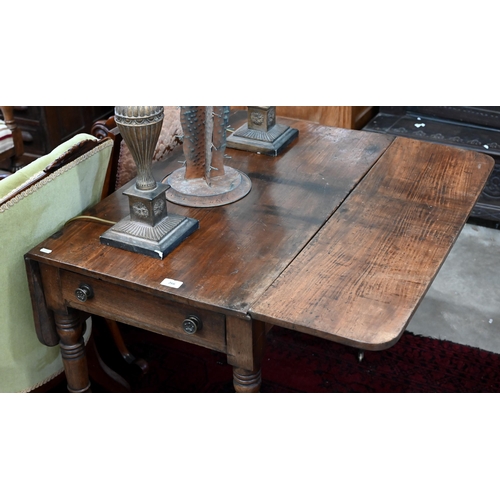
{"x":149,"y":312}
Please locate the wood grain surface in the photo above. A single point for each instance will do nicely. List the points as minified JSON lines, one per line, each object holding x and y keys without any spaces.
{"x":361,"y":278}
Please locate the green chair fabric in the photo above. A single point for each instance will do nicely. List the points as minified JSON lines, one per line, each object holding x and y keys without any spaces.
{"x":35,"y":202}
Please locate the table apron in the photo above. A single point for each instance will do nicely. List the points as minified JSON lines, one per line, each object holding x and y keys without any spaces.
{"x":151,"y":312}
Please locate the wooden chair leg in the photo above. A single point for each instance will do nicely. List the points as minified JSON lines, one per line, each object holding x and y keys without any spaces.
{"x":122,"y":348}
{"x":100,"y":373}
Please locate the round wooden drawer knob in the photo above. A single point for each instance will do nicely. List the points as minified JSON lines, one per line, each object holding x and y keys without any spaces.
{"x":191,"y":325}
{"x":84,"y":292}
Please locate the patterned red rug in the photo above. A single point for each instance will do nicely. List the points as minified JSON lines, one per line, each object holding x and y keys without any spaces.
{"x":295,"y":362}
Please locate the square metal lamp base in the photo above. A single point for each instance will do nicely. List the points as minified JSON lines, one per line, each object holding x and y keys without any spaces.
{"x":155,"y":241}
{"x":271,"y":142}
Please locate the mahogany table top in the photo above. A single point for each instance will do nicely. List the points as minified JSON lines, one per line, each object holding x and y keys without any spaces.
{"x":340,"y":236}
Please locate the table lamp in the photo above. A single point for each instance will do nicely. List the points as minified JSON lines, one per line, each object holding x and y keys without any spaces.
{"x":149,"y":229}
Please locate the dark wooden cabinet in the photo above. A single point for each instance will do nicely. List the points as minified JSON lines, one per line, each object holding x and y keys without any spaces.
{"x":469,"y":127}
{"x":45,"y":127}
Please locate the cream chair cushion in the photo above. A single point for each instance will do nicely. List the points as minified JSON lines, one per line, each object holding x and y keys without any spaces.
{"x":34,"y":204}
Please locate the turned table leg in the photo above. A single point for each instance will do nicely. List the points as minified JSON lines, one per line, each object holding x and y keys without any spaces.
{"x":70,"y":330}
{"x":245,"y":347}
{"x":246,"y":380}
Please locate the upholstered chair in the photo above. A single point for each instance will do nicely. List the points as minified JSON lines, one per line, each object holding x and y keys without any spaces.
{"x":35,"y":202}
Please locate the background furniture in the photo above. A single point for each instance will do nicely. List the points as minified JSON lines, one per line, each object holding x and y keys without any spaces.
{"x":46,"y":127}
{"x":351,"y":117}
{"x":469,"y":127}
{"x":11,"y":141}
{"x":35,"y":202}
{"x":340,"y":237}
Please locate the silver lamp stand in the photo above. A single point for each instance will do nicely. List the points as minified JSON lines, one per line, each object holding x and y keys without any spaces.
{"x":149,"y":229}
{"x":261,"y":134}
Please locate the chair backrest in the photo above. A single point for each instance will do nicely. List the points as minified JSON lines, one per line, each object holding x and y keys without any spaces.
{"x":108,"y":128}
{"x":35,"y":202}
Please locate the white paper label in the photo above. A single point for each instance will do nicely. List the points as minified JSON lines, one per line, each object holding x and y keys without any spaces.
{"x":171,"y":283}
{"x":45,"y":250}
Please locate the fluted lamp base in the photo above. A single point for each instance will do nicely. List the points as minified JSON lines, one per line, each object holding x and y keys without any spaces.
{"x":148,"y":229}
